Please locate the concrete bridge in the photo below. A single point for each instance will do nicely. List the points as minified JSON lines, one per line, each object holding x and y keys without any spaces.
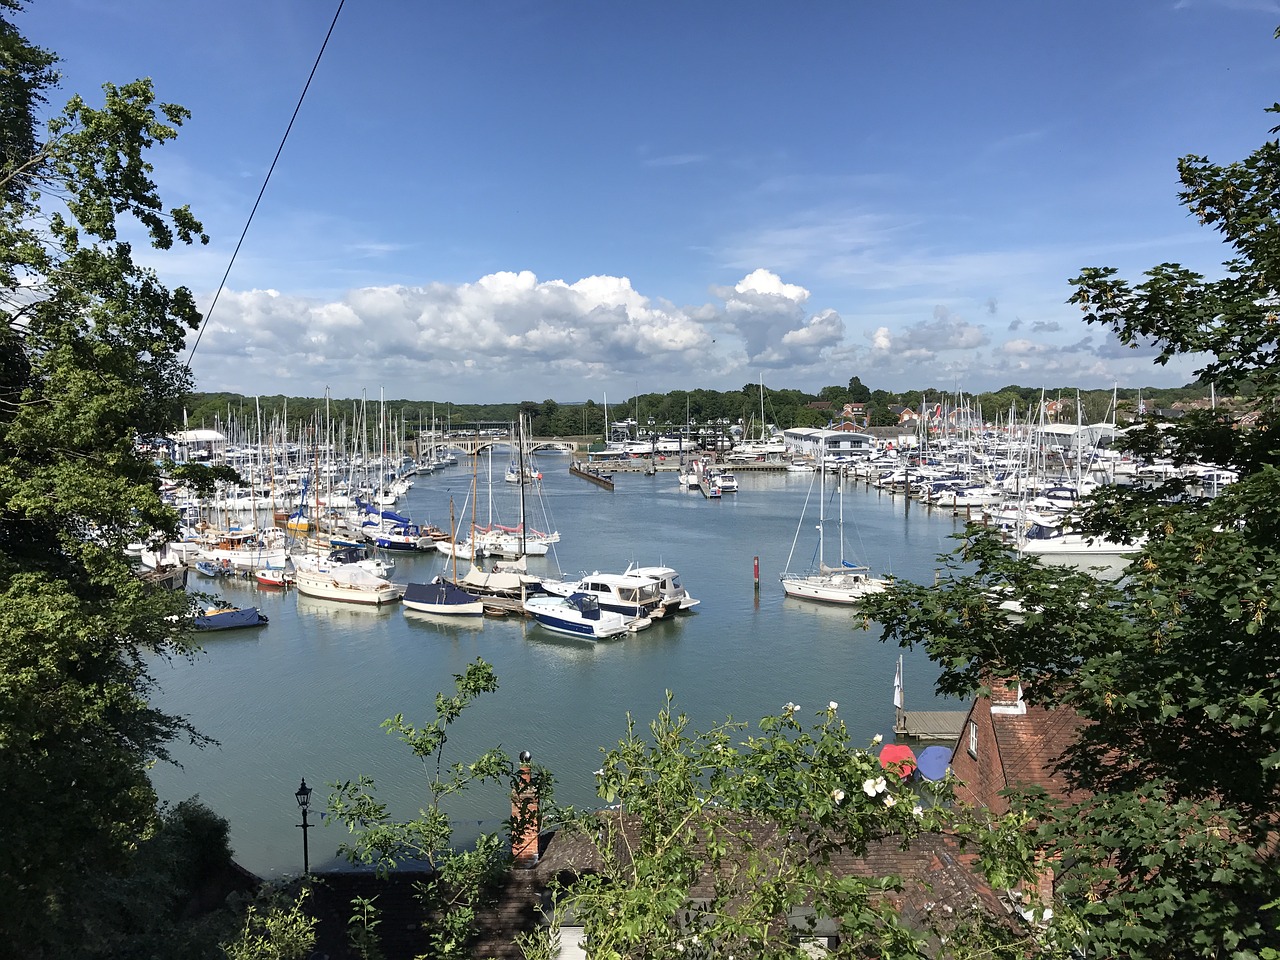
{"x":474,"y":444}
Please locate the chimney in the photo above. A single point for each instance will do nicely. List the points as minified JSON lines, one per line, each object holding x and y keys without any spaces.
{"x":525,"y":823}
{"x":1006,"y":696}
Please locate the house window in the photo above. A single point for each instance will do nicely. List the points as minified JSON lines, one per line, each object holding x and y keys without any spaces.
{"x":973,"y":740}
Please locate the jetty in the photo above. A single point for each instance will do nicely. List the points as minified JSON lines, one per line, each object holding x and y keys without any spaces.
{"x":924,"y":724}
{"x":591,"y":475}
{"x":930,"y":724}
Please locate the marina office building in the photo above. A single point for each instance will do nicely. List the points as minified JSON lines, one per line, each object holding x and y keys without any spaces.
{"x":828,"y":444}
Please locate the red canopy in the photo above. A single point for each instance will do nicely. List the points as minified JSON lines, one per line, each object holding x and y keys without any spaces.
{"x":899,"y":758}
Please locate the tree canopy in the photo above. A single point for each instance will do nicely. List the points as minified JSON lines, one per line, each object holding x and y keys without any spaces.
{"x":1168,"y":849}
{"x":88,"y":362}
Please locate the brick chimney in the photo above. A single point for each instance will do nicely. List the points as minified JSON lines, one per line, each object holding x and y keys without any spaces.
{"x":525,"y":822}
{"x":1006,"y":696}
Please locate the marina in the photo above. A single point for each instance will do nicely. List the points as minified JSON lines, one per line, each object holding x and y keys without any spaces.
{"x":305,"y":696}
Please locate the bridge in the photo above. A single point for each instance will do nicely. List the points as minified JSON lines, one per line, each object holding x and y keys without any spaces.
{"x":471,"y":445}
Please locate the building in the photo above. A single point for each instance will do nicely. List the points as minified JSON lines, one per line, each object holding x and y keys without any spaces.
{"x":828,"y":444}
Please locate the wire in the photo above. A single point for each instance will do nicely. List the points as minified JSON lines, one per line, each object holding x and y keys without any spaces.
{"x":279,"y":150}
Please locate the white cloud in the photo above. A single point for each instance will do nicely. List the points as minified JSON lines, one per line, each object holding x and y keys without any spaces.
{"x":507,"y":335}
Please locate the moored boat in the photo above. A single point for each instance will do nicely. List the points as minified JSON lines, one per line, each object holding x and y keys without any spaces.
{"x":580,"y":615}
{"x":227,"y":617}
{"x":628,"y":594}
{"x":269,"y":576}
{"x":346,"y":582}
{"x":674,"y":594}
{"x":442,"y":597}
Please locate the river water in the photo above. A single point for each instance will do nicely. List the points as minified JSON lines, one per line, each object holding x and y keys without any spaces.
{"x":305,"y":696}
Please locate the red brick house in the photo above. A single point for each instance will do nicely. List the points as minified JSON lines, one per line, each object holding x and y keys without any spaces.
{"x":1005,"y":743}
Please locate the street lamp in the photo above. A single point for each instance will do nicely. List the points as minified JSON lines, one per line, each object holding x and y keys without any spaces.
{"x":303,"y":796}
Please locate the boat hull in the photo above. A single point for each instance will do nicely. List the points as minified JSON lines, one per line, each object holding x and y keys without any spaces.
{"x":577,"y":616}
{"x":442,"y":597}
{"x":231,"y":618}
{"x":844,"y":588}
{"x":325,"y":586}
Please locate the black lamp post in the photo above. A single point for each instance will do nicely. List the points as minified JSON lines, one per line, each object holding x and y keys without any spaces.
{"x":303,"y":796}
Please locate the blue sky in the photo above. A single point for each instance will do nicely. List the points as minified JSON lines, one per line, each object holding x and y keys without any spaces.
{"x":528,"y":199}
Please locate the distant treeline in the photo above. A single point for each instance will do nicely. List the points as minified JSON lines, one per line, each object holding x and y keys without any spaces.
{"x":785,"y":408}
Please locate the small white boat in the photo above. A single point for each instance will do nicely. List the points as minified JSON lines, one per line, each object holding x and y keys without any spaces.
{"x":346,"y":582}
{"x":580,"y":615}
{"x":847,"y":585}
{"x":1060,"y":545}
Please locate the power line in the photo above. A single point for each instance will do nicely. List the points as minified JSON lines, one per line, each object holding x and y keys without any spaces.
{"x":267,"y":179}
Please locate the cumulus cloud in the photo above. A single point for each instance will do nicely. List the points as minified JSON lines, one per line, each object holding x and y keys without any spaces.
{"x":508,"y":335}
{"x":944,"y":332}
{"x":769,"y":316}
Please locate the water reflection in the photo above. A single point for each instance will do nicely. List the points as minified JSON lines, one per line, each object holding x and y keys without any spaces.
{"x":340,"y":610}
{"x":443,"y":623}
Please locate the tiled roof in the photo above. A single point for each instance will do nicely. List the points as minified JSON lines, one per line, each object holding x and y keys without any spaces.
{"x":938,"y":878}
{"x":1031,"y":745}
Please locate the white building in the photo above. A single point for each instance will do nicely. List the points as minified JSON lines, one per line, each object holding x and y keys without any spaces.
{"x":828,"y":444}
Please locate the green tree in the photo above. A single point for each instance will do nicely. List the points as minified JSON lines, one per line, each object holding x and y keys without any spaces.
{"x":726,"y":843}
{"x":1176,"y":668}
{"x":88,"y":362}
{"x":463,"y":879}
{"x":858,"y":391}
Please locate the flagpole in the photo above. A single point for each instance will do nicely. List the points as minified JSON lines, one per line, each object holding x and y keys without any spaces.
{"x":900,"y":719}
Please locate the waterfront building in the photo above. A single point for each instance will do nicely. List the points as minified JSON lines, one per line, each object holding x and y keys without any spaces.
{"x":828,"y":444}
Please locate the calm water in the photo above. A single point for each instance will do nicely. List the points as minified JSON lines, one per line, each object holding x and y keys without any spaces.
{"x":305,"y":696}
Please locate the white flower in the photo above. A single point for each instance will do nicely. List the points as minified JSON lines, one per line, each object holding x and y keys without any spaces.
{"x":917,"y":811}
{"x":837,"y":795}
{"x":600,"y":772}
{"x":874,"y":785}
{"x":833,"y":706}
{"x":877,"y":738}
{"x":789,"y":707}
{"x":889,"y":800}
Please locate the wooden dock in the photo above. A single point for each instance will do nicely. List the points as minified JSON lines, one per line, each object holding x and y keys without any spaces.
{"x":599,"y":481}
{"x":930,"y":724}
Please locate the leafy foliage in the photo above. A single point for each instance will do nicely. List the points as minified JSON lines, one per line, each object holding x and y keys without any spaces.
{"x":461,"y":879}
{"x":88,"y":359}
{"x":1169,"y":839}
{"x":720,"y":845}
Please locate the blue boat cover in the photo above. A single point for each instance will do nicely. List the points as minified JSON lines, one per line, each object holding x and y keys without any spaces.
{"x":438,"y":591}
{"x":933,"y":762}
{"x":391,"y":515}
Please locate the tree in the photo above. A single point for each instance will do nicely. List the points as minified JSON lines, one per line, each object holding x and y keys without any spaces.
{"x":725,"y":843}
{"x":462,"y":880}
{"x":858,"y":391}
{"x":88,"y":362}
{"x":1176,"y":668}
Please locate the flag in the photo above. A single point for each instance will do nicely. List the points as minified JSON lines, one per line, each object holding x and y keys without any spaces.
{"x":897,"y":685}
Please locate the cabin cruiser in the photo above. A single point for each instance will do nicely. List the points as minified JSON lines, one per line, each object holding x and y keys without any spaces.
{"x":674,"y":595}
{"x":634,"y":596}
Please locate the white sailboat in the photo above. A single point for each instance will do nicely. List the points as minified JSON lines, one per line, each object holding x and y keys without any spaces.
{"x":847,"y":583}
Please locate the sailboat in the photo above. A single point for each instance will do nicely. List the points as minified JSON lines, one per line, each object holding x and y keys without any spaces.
{"x":847,"y":583}
{"x":512,"y":543}
{"x":441,"y":596}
